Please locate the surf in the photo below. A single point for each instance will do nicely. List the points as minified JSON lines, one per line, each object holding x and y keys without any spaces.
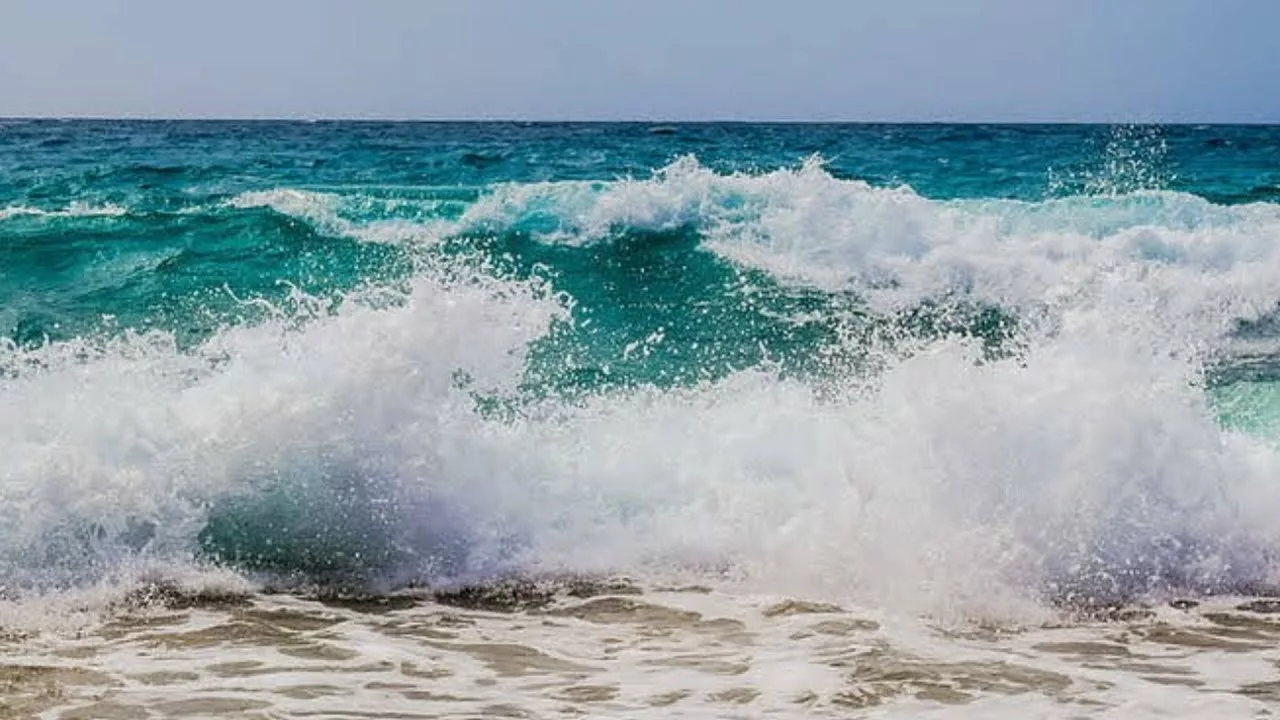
{"x":782,"y":380}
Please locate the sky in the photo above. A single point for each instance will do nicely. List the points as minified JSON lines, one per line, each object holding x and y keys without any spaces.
{"x":857,"y":60}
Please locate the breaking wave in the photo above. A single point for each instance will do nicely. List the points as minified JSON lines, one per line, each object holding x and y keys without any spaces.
{"x":1073,"y":449}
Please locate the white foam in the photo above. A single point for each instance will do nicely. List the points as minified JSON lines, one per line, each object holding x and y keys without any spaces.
{"x":957,"y":487}
{"x":1090,"y":464}
{"x":892,"y":245}
{"x":806,"y":225}
{"x":74,"y":209}
{"x":329,"y":213}
{"x":138,"y":585}
{"x":125,"y":442}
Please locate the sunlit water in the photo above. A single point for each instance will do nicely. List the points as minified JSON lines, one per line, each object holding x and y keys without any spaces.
{"x":362,"y":420}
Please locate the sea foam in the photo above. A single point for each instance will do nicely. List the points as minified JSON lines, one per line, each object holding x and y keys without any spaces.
{"x":386,"y":436}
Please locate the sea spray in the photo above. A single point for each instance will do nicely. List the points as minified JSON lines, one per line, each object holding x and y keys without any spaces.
{"x":762,"y":370}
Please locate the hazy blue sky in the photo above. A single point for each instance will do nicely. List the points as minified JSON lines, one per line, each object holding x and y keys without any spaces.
{"x":1126,"y":60}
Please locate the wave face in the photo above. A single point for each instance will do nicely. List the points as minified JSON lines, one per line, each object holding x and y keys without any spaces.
{"x":949,"y":368}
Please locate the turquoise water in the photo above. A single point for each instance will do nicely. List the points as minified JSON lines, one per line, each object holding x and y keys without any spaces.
{"x":396,"y":353}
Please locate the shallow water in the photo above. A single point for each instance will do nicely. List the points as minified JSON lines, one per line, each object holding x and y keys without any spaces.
{"x":628,"y":652}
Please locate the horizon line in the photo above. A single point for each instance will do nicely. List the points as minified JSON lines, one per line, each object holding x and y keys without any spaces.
{"x":615,"y":121}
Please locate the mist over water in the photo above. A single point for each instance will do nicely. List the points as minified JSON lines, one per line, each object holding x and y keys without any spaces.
{"x":952,"y":370}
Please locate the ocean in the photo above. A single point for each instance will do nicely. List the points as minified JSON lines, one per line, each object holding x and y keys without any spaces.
{"x":540,"y":420}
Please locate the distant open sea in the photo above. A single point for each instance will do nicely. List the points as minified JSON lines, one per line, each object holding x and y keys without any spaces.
{"x":542,"y":420}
